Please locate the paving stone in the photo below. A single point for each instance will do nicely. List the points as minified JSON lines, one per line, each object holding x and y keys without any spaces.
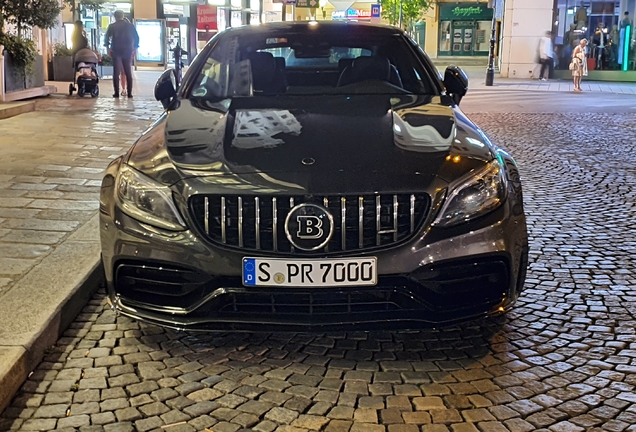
{"x":205,"y":395}
{"x":203,"y":422}
{"x":140,"y":400}
{"x":298,"y":404}
{"x":310,"y":422}
{"x":39,"y":424}
{"x":246,"y":420}
{"x":143,"y":387}
{"x":103,"y":418}
{"x":281,"y":415}
{"x":74,"y":421}
{"x":418,"y":417}
{"x":51,"y":411}
{"x":114,"y":404}
{"x":154,"y":409}
{"x":365,"y":415}
{"x":338,"y":426}
{"x":403,"y":428}
{"x":365,"y":427}
{"x":174,"y":416}
{"x":428,"y":403}
{"x":84,"y":408}
{"x":148,"y":424}
{"x":128,"y":414}
{"x":119,"y":427}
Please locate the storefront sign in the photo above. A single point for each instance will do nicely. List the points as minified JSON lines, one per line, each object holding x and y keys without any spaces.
{"x":375,"y":11}
{"x":287,"y":2}
{"x":352,"y":14}
{"x":206,"y":17}
{"x":463,"y":11}
{"x":307,"y":3}
{"x":358,"y":14}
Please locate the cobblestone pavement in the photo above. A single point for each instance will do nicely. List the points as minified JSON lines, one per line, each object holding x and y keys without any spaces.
{"x":51,"y":168}
{"x":564,"y":360}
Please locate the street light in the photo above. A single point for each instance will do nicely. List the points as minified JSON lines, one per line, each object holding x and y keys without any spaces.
{"x":490,"y":72}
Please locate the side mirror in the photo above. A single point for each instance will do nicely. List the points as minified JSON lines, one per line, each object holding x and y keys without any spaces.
{"x":166,"y":88}
{"x":456,"y":83}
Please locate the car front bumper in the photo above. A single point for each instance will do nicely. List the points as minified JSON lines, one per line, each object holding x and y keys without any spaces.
{"x":437,"y":278}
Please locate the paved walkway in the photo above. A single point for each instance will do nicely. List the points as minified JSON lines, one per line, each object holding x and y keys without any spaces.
{"x":477,"y":81}
{"x":52,"y":163}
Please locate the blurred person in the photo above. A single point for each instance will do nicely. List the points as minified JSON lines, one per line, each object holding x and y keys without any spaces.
{"x":122,"y":41}
{"x":546,"y":55}
{"x":79,"y":39}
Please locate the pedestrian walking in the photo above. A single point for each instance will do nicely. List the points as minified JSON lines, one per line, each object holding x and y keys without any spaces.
{"x":124,"y":82}
{"x":79,"y":39}
{"x":578,"y":66}
{"x":122,"y":41}
{"x":546,"y":55}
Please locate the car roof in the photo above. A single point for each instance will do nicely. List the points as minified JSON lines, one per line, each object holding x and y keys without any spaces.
{"x":352,"y":28}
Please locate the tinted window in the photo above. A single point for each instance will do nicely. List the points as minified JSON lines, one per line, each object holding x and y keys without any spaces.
{"x":306,"y":62}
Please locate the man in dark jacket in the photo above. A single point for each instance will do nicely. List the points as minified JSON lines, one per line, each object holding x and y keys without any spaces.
{"x":121,"y":41}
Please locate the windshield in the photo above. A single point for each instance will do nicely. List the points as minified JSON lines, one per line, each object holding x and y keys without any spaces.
{"x":302,"y":62}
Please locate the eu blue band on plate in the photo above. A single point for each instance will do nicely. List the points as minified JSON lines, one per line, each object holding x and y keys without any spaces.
{"x":249,"y":271}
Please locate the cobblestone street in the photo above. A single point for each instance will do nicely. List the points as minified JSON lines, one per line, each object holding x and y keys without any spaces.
{"x":564,"y":360}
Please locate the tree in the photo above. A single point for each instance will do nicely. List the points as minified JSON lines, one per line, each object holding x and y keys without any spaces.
{"x":24,"y":14}
{"x":76,"y":6}
{"x":412,"y":10}
{"x":30,"y":13}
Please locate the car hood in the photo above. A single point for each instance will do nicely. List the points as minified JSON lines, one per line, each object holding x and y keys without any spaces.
{"x":315,"y":144}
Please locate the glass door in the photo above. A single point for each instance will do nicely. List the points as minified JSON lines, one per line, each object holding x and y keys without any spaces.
{"x":463,"y":32}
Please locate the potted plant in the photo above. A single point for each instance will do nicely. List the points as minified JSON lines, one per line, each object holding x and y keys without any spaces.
{"x":24,"y":66}
{"x":20,"y":63}
{"x":106,"y":66}
{"x":62,"y":63}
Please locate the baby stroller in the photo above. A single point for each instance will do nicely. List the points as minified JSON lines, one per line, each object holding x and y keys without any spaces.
{"x":85,"y":78}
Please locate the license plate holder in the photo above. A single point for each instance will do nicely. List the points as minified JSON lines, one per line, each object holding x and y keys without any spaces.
{"x":308,"y":273}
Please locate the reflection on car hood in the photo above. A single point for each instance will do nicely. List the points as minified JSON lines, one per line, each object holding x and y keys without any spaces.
{"x":318,"y":143}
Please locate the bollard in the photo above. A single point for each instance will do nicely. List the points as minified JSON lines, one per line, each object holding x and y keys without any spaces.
{"x":2,"y":89}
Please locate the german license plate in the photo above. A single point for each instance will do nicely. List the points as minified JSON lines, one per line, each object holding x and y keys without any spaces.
{"x":310,"y":273}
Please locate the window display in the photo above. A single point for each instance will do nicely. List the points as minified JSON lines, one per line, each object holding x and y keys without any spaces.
{"x":151,"y":45}
{"x":607,"y":27}
{"x":463,"y":29}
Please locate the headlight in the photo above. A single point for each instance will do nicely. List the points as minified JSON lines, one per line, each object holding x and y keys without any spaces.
{"x":480,"y":194}
{"x":147,"y":201}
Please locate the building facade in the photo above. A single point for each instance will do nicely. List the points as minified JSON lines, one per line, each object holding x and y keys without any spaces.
{"x":449,"y":29}
{"x":606,"y":25}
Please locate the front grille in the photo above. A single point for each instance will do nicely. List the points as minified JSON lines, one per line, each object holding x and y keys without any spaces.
{"x":360,"y":222}
{"x":326,"y":302}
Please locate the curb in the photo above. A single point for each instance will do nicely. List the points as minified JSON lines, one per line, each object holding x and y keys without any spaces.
{"x":41,"y":315}
{"x":8,"y":110}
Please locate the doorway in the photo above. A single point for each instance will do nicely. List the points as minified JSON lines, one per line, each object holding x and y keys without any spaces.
{"x":463,"y":38}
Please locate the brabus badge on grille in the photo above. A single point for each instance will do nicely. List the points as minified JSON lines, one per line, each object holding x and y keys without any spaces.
{"x":309,"y":227}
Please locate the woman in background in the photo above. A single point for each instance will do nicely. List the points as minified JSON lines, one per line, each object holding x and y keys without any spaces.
{"x":579,"y":64}
{"x":79,"y":39}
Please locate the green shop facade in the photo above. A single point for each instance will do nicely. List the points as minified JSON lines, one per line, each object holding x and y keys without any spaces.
{"x":464,"y":29}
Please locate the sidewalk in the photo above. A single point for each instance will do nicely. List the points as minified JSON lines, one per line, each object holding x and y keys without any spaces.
{"x":477,"y":81}
{"x":51,"y":168}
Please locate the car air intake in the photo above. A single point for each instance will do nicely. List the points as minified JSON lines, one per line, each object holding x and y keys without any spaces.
{"x":360,"y":222}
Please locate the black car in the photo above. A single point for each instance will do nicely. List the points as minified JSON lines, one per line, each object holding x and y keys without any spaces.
{"x":312,"y":176}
